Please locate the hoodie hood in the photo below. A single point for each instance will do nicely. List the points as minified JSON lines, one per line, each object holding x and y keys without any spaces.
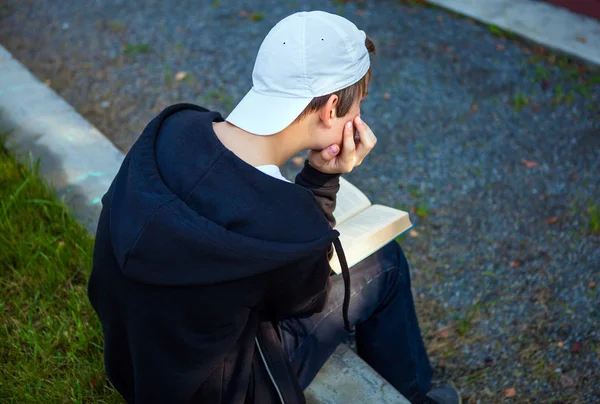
{"x":185,"y":210}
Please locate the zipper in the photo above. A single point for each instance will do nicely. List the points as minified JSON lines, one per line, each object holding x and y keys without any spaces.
{"x":269,"y":370}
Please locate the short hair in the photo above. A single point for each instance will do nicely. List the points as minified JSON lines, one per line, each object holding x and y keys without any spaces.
{"x":346,"y":96}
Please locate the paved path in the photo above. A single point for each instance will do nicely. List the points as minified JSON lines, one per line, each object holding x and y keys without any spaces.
{"x":494,"y":144}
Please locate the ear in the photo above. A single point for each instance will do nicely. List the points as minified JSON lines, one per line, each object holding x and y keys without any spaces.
{"x":327,"y":114}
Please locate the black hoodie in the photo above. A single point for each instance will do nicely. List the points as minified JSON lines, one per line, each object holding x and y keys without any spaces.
{"x":197,"y":255}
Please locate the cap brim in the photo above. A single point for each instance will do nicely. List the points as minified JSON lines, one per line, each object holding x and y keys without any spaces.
{"x":266,"y":115}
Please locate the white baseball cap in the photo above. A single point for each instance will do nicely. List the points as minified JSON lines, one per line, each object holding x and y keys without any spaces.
{"x":306,"y":55}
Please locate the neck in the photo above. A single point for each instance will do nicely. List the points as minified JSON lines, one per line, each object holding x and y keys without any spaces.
{"x":261,"y":150}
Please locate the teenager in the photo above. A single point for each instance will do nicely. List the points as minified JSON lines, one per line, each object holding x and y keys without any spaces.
{"x":211,"y":271}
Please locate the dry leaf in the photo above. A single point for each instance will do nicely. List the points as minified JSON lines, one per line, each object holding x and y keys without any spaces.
{"x":592,"y":284}
{"x":515,"y":264}
{"x":536,"y":107}
{"x":574,"y":176}
{"x":298,"y":161}
{"x":530,"y":164}
{"x":552,"y":220}
{"x":526,"y":51}
{"x":510,"y":392}
{"x":413,"y":233}
{"x":576,"y":347}
{"x":581,"y":39}
{"x":360,"y":12}
{"x":243,"y":14}
{"x":180,"y":76}
{"x":560,"y":344}
{"x":387,"y":96}
{"x":500,"y":47}
{"x":444,"y":334}
{"x":474,"y":108}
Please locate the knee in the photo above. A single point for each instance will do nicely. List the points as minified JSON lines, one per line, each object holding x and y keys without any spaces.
{"x":396,"y":262}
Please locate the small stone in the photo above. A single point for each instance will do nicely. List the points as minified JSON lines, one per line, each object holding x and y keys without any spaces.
{"x":360,"y":12}
{"x":500,"y":47}
{"x":180,"y":76}
{"x":387,"y":96}
{"x":444,"y":334}
{"x":592,"y":284}
{"x":560,"y":344}
{"x":243,"y":14}
{"x":105,"y":104}
{"x":566,"y":381}
{"x":65,"y":25}
{"x":510,"y":392}
{"x":413,"y":233}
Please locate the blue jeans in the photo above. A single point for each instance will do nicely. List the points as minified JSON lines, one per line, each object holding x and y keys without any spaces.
{"x":388,"y":337}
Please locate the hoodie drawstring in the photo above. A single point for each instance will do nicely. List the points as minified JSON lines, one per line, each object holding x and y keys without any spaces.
{"x":347,"y":291}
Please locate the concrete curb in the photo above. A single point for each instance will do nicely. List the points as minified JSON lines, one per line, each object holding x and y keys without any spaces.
{"x":74,"y":156}
{"x":545,"y":24}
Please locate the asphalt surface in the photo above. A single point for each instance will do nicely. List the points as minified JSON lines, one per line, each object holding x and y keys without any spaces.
{"x":491,"y":143}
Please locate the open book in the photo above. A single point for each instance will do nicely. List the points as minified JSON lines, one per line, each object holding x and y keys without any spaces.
{"x":364,"y":228}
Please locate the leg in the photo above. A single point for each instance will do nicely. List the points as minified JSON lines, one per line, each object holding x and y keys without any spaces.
{"x":387,"y":331}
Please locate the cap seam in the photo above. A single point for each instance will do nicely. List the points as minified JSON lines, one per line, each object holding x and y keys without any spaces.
{"x":303,"y":42}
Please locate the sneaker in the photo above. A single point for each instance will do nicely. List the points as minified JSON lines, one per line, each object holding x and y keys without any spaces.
{"x":444,"y":394}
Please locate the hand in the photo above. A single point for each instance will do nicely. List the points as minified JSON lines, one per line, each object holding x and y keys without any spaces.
{"x":332,"y":160}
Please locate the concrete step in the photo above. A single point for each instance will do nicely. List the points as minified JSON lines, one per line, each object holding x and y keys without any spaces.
{"x":347,"y":379}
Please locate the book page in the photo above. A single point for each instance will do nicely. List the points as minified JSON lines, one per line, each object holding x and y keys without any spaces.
{"x":368,"y":231}
{"x":350,"y":201}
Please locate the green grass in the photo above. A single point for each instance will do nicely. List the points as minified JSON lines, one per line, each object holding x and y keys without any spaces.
{"x":167,"y":75}
{"x":594,"y":218}
{"x":541,"y":73}
{"x":136,"y":49}
{"x":421,"y":209}
{"x":50,"y":338}
{"x":257,"y":17}
{"x":499,"y":32}
{"x":520,"y":100}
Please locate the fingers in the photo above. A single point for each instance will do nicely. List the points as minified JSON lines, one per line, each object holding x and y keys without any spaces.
{"x":329,"y":153}
{"x":348,"y":154}
{"x":368,"y":140}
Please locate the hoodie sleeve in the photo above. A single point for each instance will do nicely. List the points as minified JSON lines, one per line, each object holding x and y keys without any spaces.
{"x":323,"y":186}
{"x":300,"y":289}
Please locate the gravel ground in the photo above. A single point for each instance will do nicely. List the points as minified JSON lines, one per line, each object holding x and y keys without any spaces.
{"x":493,"y":144}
